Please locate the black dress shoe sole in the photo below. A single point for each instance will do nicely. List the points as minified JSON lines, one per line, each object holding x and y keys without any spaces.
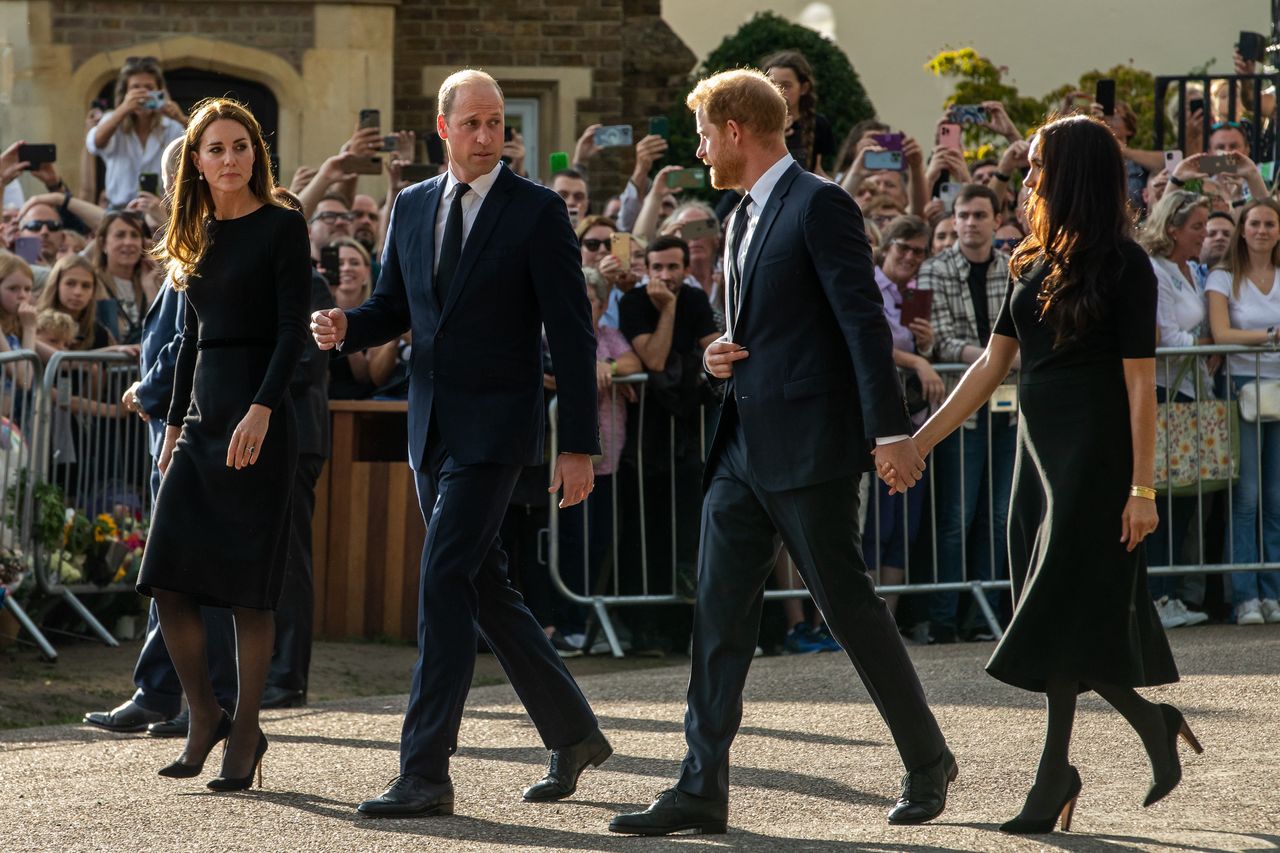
{"x":594,"y":761}
{"x":433,"y":810}
{"x":120,"y":730}
{"x":698,"y":827}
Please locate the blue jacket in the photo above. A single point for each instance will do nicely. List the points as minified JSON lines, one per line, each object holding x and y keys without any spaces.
{"x":161,"y":339}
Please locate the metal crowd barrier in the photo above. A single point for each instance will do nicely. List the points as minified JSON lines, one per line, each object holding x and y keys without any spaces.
{"x":977,"y":580}
{"x":75,"y":436}
{"x":1253,"y":84}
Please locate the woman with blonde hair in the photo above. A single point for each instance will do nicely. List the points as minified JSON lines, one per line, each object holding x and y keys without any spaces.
{"x":1244,"y":309}
{"x":75,"y":287}
{"x":219,"y":530}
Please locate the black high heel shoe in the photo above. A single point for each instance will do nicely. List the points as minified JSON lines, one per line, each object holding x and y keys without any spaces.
{"x":1175,"y":726}
{"x":1023,"y":825}
{"x":243,"y":783}
{"x":181,"y":770}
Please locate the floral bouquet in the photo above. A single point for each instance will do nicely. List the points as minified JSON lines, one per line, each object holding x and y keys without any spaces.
{"x":13,"y":568}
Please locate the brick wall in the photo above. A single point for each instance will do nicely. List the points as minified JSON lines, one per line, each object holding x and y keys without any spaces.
{"x":92,"y":26}
{"x":603,"y":35}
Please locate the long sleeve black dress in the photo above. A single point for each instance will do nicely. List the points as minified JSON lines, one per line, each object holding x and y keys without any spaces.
{"x":220,"y":534}
{"x":1081,"y":608}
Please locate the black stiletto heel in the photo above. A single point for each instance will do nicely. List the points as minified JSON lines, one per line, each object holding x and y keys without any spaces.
{"x":1175,"y":726}
{"x":243,"y":783}
{"x":181,"y":770}
{"x":1022,"y":825}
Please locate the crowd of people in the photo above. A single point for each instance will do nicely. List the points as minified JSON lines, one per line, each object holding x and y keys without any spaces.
{"x":75,"y":275}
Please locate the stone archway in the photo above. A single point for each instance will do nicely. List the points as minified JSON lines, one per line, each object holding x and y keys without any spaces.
{"x":284,"y":81}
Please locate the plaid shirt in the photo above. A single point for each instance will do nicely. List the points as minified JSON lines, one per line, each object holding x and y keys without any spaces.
{"x":954,"y":324}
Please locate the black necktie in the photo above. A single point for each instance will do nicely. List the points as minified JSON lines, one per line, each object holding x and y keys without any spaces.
{"x":451,"y":246}
{"x":741,"y":217}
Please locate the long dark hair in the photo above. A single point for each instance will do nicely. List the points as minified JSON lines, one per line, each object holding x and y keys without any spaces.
{"x":190,"y":201}
{"x":807,"y":120}
{"x":1078,"y":218}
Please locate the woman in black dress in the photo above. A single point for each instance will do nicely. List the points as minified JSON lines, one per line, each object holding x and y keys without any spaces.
{"x":219,"y":529}
{"x":1081,"y":309}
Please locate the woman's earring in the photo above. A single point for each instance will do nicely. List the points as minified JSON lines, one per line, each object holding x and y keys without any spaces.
{"x":202,"y":176}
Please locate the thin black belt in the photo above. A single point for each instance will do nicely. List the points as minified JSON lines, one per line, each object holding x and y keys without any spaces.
{"x":222,"y":343}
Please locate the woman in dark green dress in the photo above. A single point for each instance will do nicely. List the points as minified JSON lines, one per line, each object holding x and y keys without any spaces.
{"x":1081,"y":314}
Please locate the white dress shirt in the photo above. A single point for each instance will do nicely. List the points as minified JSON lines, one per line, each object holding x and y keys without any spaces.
{"x":470,"y":205}
{"x":127,"y":157}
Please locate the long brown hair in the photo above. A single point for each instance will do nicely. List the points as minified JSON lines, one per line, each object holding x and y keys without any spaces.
{"x":10,"y":264}
{"x":50,"y":298}
{"x":190,"y":201}
{"x":136,"y":65}
{"x":1236,"y":261}
{"x":807,"y":120}
{"x":137,"y":222}
{"x":1078,"y":218}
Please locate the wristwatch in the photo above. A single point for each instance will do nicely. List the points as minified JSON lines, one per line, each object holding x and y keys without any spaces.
{"x":1176,"y":181}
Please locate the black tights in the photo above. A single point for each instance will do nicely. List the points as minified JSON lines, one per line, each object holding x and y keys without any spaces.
{"x":183,"y":630}
{"x":1052,"y":776}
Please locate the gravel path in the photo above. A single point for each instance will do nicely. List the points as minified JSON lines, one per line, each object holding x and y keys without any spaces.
{"x":813,"y":768}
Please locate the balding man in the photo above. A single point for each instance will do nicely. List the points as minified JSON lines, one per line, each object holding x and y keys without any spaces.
{"x":812,"y":394}
{"x":477,"y":261}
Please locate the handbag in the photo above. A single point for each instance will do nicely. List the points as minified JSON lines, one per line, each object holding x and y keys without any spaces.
{"x":1260,"y":400}
{"x":1195,"y":441}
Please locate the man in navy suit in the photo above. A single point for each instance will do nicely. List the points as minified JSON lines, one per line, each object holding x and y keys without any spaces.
{"x":812,"y":397}
{"x":476,"y":262}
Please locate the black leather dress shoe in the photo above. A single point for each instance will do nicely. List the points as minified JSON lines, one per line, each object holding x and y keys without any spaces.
{"x":924,"y":790}
{"x":129,"y":717}
{"x":278,"y":697}
{"x":411,"y":796}
{"x":675,"y":811}
{"x":567,"y":765}
{"x":176,"y":727}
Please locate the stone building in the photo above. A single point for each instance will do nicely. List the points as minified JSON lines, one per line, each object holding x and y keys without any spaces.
{"x":308,"y":68}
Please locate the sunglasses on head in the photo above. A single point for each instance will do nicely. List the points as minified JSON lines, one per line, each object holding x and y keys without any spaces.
{"x":594,"y":245}
{"x":33,"y":225}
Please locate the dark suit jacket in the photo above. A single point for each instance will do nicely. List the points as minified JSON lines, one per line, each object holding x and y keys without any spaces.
{"x":477,"y":362}
{"x":161,"y":340}
{"x":309,"y":386}
{"x":819,"y":384}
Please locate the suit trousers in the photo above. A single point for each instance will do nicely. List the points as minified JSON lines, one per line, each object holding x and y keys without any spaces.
{"x":291,"y":660}
{"x":466,"y":593}
{"x":739,"y":520}
{"x":158,"y":687}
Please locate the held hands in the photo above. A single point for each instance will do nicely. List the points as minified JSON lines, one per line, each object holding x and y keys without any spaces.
{"x":573,"y":472}
{"x":246,"y":441}
{"x":1137,"y":521}
{"x":900,"y":464}
{"x":719,"y":358}
{"x":329,"y":328}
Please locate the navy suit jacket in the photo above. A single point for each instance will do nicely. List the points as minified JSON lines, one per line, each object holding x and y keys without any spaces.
{"x":819,"y":384}
{"x":477,"y":360}
{"x":161,"y":340}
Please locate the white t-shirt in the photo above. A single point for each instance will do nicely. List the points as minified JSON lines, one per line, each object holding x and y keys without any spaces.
{"x":127,"y":158}
{"x":1179,"y":313}
{"x":1253,"y":310}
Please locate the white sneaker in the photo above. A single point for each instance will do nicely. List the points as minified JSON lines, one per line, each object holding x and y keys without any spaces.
{"x":1190,"y":617}
{"x":1250,"y":613}
{"x":1271,"y":610}
{"x":1168,"y":612}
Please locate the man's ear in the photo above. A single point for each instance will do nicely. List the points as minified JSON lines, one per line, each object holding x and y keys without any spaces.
{"x":442,"y":129}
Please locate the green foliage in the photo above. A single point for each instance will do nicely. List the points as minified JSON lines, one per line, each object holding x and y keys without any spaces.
{"x":978,"y":78}
{"x":841,"y":97}
{"x":48,"y":511}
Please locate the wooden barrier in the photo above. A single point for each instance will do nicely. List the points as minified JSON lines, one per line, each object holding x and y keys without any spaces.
{"x":368,"y":531}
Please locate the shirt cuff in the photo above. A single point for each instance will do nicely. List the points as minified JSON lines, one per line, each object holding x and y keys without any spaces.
{"x":890,"y":439}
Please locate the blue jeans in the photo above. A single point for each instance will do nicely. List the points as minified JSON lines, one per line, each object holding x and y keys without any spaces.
{"x":1249,"y":498}
{"x":962,"y":498}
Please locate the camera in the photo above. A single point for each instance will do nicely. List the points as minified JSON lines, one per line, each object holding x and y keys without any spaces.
{"x":613,"y":136}
{"x":154,"y":101}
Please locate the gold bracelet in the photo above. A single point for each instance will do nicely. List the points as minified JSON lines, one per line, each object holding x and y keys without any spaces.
{"x":1142,"y":492}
